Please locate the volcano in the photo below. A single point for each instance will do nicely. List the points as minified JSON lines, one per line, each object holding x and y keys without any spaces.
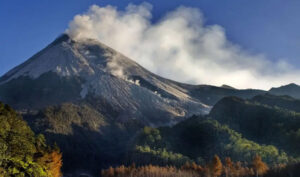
{"x":71,"y":71}
{"x":92,"y":100}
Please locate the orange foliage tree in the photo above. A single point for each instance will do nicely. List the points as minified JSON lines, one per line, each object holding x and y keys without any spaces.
{"x":228,"y":167}
{"x":52,"y":161}
{"x":215,"y":167}
{"x":259,"y":166}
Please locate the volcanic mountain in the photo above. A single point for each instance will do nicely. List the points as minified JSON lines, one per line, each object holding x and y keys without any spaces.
{"x":69,"y":71}
{"x":91,"y":100}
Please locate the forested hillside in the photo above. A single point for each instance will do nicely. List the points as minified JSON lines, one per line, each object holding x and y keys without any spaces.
{"x":201,"y":147}
{"x":238,"y":131}
{"x":265,"y":124}
{"x":88,"y":139}
{"x":198,"y":139}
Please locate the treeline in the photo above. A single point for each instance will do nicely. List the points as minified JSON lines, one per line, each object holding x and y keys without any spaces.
{"x":214,"y":168}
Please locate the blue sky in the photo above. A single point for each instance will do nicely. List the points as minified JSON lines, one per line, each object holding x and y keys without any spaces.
{"x":270,"y":27}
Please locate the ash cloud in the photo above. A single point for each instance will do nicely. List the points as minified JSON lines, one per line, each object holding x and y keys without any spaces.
{"x":180,"y":46}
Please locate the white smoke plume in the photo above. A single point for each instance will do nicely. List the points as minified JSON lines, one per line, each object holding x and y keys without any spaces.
{"x":180,"y":46}
{"x":117,"y":70}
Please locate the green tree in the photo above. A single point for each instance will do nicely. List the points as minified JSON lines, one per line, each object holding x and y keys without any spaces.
{"x":20,"y":149}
